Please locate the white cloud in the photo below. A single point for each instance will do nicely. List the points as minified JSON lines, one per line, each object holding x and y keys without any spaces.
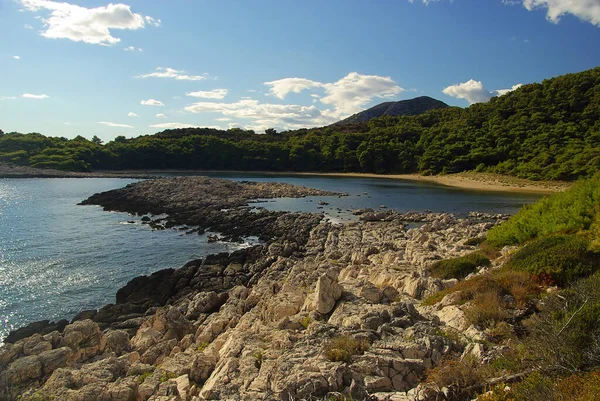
{"x":212,"y":94}
{"x":88,"y":25}
{"x":151,"y":102}
{"x":153,"y":22}
{"x":223,"y":119}
{"x":350,"y":94}
{"x":67,"y":123}
{"x":166,"y":72}
{"x":173,"y":125}
{"x":27,"y":26}
{"x":586,"y":10}
{"x":133,"y":49}
{"x":17,"y":57}
{"x":346,"y":96}
{"x":132,"y":114}
{"x":32,"y":96}
{"x":287,"y":116}
{"x":282,"y":87}
{"x":8,"y":97}
{"x":474,"y":91}
{"x":426,"y":2}
{"x":109,"y":124}
{"x":161,"y":115}
{"x":501,"y":92}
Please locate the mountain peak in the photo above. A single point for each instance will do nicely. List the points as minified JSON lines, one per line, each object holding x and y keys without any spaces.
{"x":408,"y":107}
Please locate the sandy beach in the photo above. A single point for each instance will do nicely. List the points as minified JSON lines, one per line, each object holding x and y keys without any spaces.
{"x":466,"y":180}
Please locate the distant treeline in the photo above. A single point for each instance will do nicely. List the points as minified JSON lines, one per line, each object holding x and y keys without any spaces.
{"x":548,"y":130}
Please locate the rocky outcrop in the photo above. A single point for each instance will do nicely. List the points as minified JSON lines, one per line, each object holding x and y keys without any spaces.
{"x":319,"y":310}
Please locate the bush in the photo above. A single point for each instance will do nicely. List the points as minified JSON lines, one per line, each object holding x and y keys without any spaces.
{"x":456,"y":373}
{"x":564,"y":258}
{"x":343,"y":348}
{"x":487,"y":309}
{"x":565,"y":336}
{"x":504,"y":282}
{"x":573,"y":210}
{"x":458,"y":267}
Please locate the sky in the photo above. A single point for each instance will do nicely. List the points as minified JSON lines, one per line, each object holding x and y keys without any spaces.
{"x":135,"y":68}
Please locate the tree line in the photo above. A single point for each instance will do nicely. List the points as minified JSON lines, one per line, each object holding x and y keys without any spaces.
{"x":548,"y":130}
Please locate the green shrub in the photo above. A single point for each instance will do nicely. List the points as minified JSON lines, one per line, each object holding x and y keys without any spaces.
{"x":459,"y":267}
{"x":475,"y":241}
{"x":573,"y":210}
{"x":343,"y":348}
{"x":564,"y":258}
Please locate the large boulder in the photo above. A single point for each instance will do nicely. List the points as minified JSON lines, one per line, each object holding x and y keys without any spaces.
{"x":328,"y":291}
{"x":24,"y":370}
{"x":85,"y":338}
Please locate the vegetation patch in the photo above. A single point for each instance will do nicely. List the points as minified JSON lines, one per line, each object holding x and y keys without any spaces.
{"x":343,"y":348}
{"x":563,"y":258}
{"x":574,"y":210}
{"x":538,"y":387}
{"x":459,"y":267}
{"x":565,"y":336}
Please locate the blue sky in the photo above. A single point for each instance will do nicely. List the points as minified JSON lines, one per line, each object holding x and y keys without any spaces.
{"x":94,"y":68}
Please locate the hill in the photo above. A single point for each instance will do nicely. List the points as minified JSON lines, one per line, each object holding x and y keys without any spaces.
{"x":541,"y":131}
{"x":411,"y":107}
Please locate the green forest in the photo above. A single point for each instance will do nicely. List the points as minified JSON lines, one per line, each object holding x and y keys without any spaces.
{"x":548,"y":130}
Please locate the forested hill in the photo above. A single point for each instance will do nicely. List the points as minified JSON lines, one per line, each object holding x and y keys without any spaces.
{"x":411,"y":107}
{"x":548,"y":130}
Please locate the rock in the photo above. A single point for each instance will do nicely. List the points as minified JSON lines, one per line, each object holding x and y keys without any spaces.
{"x":453,"y":316}
{"x":375,"y":383}
{"x":9,"y":352}
{"x":327,"y":292}
{"x":41,"y":327}
{"x":371,"y":293}
{"x":24,"y":370}
{"x":202,"y":368}
{"x":85,"y":338}
{"x":54,"y":359}
{"x":35,"y":345}
{"x":203,"y":302}
{"x":118,"y":342}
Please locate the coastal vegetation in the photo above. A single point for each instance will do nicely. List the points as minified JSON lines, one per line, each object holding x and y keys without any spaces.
{"x":548,"y":130}
{"x":541,"y":307}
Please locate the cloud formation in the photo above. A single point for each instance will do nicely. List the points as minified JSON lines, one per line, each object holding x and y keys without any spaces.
{"x":585,"y":10}
{"x":212,"y":94}
{"x":109,"y":124}
{"x":133,"y":49}
{"x":281,"y":87}
{"x":88,"y":25}
{"x":17,"y":57}
{"x":474,"y":91}
{"x":166,"y":72}
{"x":347,"y":96}
{"x":266,"y":115}
{"x":151,"y":102}
{"x":161,"y":115}
{"x":33,"y":96}
{"x":132,"y":114}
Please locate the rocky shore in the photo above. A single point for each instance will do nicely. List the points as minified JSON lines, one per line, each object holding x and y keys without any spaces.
{"x":319,"y":311}
{"x":7,"y":171}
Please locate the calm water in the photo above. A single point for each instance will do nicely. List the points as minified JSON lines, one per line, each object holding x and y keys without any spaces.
{"x":57,"y":258}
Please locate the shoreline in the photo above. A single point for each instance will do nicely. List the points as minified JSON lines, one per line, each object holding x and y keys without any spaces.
{"x":465,"y":180}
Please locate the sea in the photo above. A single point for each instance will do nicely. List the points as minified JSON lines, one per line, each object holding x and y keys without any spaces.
{"x":58,"y":258}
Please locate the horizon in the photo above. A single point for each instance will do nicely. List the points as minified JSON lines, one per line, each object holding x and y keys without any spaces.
{"x":137,"y":68}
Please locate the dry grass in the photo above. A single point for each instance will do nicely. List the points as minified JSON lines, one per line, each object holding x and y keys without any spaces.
{"x":343,"y":348}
